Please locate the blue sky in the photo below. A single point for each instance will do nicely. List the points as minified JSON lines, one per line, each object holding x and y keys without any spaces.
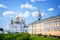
{"x":27,"y":9}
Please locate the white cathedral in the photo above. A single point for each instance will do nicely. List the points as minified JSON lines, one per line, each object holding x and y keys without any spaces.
{"x":17,"y":25}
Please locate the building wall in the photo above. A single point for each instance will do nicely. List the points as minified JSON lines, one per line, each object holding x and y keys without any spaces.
{"x":47,"y":27}
{"x":17,"y":28}
{"x":30,"y":29}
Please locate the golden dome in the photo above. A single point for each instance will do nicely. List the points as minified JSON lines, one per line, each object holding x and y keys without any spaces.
{"x":17,"y":17}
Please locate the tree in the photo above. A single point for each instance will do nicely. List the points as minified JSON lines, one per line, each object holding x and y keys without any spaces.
{"x":1,"y":37}
{"x":1,"y":29}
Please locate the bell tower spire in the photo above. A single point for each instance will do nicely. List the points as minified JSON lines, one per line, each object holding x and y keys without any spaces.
{"x":39,"y":14}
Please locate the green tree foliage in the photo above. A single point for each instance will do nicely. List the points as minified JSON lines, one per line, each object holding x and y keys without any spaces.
{"x":22,"y":36}
{"x":1,"y":36}
{"x":1,"y":29}
{"x":25,"y":36}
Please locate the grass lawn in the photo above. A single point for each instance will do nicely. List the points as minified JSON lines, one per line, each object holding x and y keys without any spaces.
{"x":43,"y":38}
{"x":25,"y":36}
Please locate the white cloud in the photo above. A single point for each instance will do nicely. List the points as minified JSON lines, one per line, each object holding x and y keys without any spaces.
{"x":59,"y":6}
{"x":32,"y":0}
{"x":0,"y":18}
{"x":7,"y":13}
{"x":27,"y":6}
{"x":37,"y":0}
{"x":43,"y":14}
{"x":41,"y":0}
{"x":11,"y":16}
{"x":26,"y":14}
{"x":50,"y":9}
{"x":34,"y":14}
{"x":20,"y":15}
{"x":2,"y":6}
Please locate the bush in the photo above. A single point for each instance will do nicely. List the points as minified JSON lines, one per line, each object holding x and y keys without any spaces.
{"x":25,"y":36}
{"x":50,"y":35}
{"x":59,"y":37}
{"x":17,"y":36}
{"x":39,"y":34}
{"x":45,"y":35}
{"x":32,"y":37}
{"x":10,"y":37}
{"x":54,"y":36}
{"x":1,"y":36}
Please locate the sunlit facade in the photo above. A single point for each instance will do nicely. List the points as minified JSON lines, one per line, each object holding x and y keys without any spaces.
{"x":49,"y":26}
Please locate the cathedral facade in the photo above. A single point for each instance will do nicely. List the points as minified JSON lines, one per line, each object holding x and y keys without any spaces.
{"x":17,"y":25}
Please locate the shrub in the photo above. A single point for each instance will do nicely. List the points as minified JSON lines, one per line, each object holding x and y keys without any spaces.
{"x":39,"y":34}
{"x":25,"y":36}
{"x":54,"y":36}
{"x":32,"y":37}
{"x":10,"y":37}
{"x":59,"y":37}
{"x":1,"y":36}
{"x":50,"y":35}
{"x":45,"y":35}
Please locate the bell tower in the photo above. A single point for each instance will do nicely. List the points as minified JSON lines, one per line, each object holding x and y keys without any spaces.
{"x":39,"y":15}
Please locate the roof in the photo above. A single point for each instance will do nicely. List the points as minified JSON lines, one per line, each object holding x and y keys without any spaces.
{"x":43,"y":20}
